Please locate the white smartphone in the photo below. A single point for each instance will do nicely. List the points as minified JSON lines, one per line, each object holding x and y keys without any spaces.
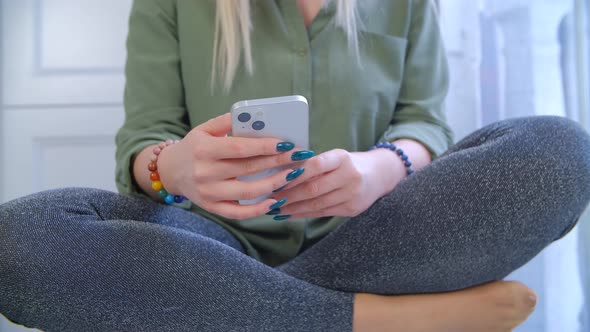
{"x":285,"y":118}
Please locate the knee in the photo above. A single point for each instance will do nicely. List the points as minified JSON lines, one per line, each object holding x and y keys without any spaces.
{"x":571,"y":145}
{"x":558,"y":144}
{"x":29,"y":223}
{"x":560,"y":149}
{"x":558,"y":135}
{"x":48,"y":204}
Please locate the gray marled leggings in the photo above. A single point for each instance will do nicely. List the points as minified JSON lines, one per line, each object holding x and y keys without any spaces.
{"x":89,"y":260}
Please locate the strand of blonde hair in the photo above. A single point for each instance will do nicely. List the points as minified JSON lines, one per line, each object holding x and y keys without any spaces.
{"x":232,"y":39}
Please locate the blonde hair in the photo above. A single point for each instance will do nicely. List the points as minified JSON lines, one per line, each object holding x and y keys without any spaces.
{"x":233,"y":27}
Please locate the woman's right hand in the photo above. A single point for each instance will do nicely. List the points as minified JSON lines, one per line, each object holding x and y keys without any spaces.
{"x":204,"y":165}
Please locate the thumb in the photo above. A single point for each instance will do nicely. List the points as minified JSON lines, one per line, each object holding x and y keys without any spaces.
{"x":218,"y":126}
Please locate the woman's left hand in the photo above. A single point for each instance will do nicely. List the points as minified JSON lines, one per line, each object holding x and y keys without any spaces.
{"x":341,"y":183}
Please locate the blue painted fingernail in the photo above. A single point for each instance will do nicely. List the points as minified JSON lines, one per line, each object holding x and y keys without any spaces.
{"x":278,"y":204}
{"x":279,"y":218}
{"x":285,"y":146}
{"x":302,"y":155}
{"x":281,"y":188}
{"x":273,"y":212}
{"x":295,"y":174}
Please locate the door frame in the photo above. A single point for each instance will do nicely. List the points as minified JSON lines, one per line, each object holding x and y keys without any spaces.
{"x":2,"y":159}
{"x":582,"y":87}
{"x":582,"y":60}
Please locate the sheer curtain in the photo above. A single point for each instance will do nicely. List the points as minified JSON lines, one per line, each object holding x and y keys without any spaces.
{"x":512,"y":58}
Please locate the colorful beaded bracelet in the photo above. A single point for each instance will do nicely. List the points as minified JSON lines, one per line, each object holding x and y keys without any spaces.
{"x":155,"y":176}
{"x":399,"y":152}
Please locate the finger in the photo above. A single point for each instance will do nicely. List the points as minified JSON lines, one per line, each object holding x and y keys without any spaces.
{"x":317,"y":204}
{"x":218,"y":126}
{"x":237,"y":211}
{"x":246,"y":166}
{"x":284,"y":191}
{"x":316,"y":166}
{"x":245,"y":147}
{"x":314,"y":187}
{"x":235,"y":190}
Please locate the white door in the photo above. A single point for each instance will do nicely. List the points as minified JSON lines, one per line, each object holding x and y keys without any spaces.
{"x":61,"y":93}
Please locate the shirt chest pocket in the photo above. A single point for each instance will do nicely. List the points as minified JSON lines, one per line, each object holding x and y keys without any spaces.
{"x":373,"y":85}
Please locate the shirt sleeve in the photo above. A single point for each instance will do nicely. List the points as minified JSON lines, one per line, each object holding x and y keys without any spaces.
{"x":419,"y":113}
{"x":154,"y":96}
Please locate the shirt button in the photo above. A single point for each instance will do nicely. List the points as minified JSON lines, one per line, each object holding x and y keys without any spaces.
{"x":302,"y":52}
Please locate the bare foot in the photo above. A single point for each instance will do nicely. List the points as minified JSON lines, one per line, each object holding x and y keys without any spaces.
{"x":494,"y":307}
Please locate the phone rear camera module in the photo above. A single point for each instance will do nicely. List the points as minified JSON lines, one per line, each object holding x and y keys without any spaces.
{"x":258,"y":125}
{"x":244,"y":117}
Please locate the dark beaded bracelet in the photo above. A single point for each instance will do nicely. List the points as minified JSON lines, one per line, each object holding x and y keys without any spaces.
{"x":399,"y":152}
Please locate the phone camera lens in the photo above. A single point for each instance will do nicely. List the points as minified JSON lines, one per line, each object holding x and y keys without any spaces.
{"x":258,"y":125}
{"x":244,"y":117}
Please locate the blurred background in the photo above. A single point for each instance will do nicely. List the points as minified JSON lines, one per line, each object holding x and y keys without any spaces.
{"x":61,"y":86}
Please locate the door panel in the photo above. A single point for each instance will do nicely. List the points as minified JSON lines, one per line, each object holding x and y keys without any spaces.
{"x":61,"y":90}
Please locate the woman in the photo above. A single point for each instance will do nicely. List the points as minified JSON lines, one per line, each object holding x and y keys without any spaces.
{"x":357,"y":229}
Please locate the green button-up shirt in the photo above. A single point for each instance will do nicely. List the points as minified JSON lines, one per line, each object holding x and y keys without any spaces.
{"x":397,"y":91}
